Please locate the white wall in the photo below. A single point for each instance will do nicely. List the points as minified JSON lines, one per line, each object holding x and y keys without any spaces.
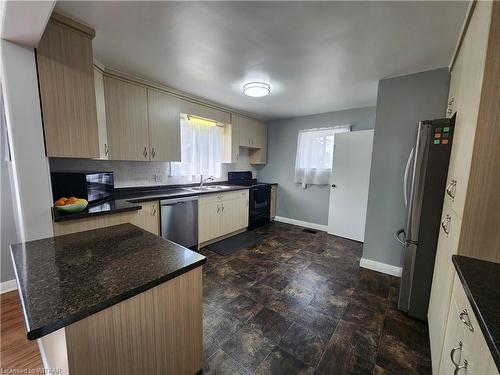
{"x":31,"y":184}
{"x":140,"y":173}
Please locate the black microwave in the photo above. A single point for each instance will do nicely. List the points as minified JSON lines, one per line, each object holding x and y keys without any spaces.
{"x":92,"y":186}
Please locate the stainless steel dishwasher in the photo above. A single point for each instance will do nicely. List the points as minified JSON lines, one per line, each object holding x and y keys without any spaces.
{"x":179,"y":220}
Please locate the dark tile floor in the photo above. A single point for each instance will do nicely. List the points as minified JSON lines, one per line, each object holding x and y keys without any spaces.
{"x":300,"y":304}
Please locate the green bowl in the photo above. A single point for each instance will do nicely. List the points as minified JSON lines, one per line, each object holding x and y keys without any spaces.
{"x":73,"y":208}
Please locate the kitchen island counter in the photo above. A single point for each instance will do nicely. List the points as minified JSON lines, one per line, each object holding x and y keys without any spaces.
{"x":115,"y":300}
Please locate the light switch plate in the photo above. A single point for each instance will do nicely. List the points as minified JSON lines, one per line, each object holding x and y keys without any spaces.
{"x":157,"y":177}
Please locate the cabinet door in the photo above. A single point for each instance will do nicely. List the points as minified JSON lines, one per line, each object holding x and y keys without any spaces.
{"x":101,"y":114}
{"x":259,"y":134}
{"x":234,"y":212}
{"x":452,"y":342}
{"x":67,"y":94}
{"x":127,"y":120}
{"x":245,"y":127}
{"x":164,"y":126}
{"x":148,"y":218}
{"x":208,"y":219}
{"x":274,"y":189}
{"x":442,"y":281}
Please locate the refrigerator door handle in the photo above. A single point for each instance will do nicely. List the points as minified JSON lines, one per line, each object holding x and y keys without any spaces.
{"x":398,"y":237}
{"x":405,"y":178}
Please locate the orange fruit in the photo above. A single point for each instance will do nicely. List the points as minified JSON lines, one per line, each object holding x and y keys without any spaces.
{"x":60,"y":202}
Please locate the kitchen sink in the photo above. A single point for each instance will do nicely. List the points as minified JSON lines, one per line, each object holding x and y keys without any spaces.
{"x":208,"y":188}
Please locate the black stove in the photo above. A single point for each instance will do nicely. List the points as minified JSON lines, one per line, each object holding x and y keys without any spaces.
{"x":259,"y":212}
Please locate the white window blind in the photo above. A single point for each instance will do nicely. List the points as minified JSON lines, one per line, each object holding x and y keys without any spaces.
{"x":313,"y":164}
{"x":201,"y":149}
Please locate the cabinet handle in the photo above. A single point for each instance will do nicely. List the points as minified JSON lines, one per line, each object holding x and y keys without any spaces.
{"x":445,"y":224}
{"x":153,"y":153}
{"x":464,"y":317}
{"x":145,"y":152}
{"x":452,"y":353}
{"x":153,"y":211}
{"x":106,"y":149}
{"x":451,"y":189}
{"x":218,"y":209}
{"x":461,"y":367}
{"x":223,"y":207}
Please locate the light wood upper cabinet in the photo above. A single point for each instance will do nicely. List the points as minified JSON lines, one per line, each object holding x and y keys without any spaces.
{"x":164,"y":127}
{"x":66,"y":80}
{"x":101,"y":114}
{"x":253,"y":135}
{"x":127,"y":120}
{"x":200,"y":110}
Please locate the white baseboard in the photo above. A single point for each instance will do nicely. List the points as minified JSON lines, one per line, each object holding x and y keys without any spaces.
{"x":301,"y":223}
{"x":381,"y":267}
{"x":8,"y":286}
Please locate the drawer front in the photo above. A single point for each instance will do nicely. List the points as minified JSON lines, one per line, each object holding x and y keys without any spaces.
{"x":209,"y":198}
{"x":240,"y":194}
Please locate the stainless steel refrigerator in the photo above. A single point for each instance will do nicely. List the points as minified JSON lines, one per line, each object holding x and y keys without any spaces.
{"x":424,"y":183}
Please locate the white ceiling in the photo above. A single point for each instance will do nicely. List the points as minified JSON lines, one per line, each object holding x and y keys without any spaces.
{"x":317,"y":56}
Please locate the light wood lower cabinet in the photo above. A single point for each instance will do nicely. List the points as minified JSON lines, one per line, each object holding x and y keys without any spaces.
{"x":148,"y":218}
{"x":442,"y":281}
{"x":274,"y":190}
{"x":465,"y":350}
{"x":222,"y":214}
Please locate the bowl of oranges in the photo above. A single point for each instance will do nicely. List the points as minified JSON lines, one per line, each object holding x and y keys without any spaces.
{"x":71,"y":204}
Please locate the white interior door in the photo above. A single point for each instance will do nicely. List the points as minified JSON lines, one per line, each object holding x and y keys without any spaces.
{"x":349,"y":182}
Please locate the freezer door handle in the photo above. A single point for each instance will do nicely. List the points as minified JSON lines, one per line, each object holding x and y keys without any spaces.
{"x":405,"y":177}
{"x":398,"y":237}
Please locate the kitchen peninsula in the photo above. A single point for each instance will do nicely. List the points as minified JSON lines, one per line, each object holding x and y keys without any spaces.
{"x":115,"y":300}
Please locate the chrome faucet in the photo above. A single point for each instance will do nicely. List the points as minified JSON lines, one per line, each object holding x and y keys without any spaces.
{"x":202,"y":181}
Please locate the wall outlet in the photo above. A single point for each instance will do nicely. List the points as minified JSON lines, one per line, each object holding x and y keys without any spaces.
{"x":157,"y":177}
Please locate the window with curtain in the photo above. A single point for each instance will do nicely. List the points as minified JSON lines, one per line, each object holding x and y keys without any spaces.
{"x":201,"y":148}
{"x":313,"y":164}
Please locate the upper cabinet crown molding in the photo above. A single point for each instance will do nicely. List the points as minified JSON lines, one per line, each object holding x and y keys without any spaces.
{"x":67,"y":93}
{"x":70,"y":22}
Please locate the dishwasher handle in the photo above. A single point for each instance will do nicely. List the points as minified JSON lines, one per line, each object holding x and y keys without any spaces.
{"x":174,"y":201}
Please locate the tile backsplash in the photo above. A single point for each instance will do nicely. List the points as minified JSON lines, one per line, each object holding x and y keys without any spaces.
{"x":140,"y":173}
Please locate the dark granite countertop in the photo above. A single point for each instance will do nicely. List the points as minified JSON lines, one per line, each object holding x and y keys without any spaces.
{"x":127,"y":199}
{"x":111,"y":206}
{"x":67,"y":278}
{"x":481,"y":281}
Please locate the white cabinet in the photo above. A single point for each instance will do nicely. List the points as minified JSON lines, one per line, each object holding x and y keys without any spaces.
{"x":221,"y":214}
{"x":253,"y":135}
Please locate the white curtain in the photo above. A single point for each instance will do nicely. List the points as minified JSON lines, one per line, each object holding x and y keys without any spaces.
{"x":201,"y":149}
{"x":313,"y":164}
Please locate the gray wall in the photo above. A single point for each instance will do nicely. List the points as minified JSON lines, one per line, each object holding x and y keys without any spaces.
{"x":401,"y":103}
{"x":294,"y":202}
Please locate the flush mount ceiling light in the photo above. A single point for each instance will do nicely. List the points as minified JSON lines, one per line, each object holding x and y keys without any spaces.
{"x":256,"y":89}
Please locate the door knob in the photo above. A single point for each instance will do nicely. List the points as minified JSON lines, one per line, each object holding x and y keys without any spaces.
{"x":334,"y":186}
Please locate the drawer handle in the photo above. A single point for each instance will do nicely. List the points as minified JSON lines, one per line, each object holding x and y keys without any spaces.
{"x":451,"y":189}
{"x":461,"y":367}
{"x":452,"y":353}
{"x":445,"y":224}
{"x":464,"y":317}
